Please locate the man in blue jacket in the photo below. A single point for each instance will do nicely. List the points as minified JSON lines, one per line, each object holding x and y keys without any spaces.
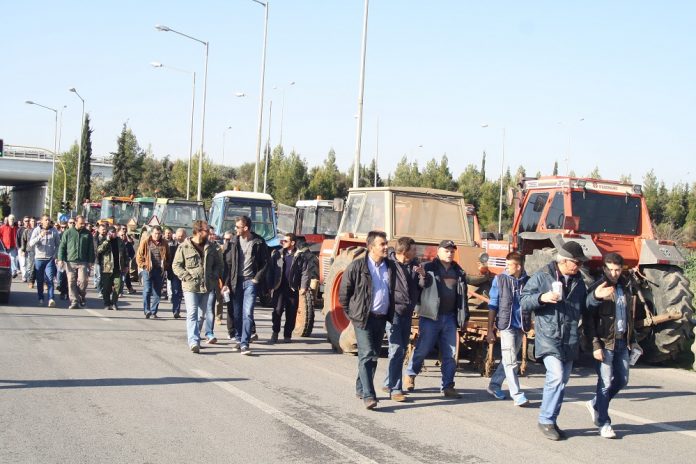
{"x":556,"y":294}
{"x":504,"y":309}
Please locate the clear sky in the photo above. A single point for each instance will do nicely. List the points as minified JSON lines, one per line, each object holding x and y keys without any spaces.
{"x":436,"y":71}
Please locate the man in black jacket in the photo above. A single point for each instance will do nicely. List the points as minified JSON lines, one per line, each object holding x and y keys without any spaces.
{"x":608,"y":323}
{"x":245,"y":262}
{"x":441,"y":328}
{"x":290,"y":280}
{"x":367,"y":294}
{"x":410,"y":279}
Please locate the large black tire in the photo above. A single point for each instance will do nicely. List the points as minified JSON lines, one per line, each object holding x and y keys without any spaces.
{"x":667,"y":289}
{"x":304,"y":323}
{"x":335,"y":320}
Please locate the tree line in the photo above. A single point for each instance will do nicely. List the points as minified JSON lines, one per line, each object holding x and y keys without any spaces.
{"x":139,"y":172}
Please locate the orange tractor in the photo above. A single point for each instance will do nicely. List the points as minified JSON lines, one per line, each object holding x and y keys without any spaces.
{"x":605,"y":216}
{"x":427,"y":216}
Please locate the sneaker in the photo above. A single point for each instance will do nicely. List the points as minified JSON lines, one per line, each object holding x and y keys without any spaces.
{"x":51,"y":303}
{"x":195,"y":349}
{"x":114,"y":307}
{"x":398,"y":397}
{"x":370,"y":403}
{"x":549,"y":431}
{"x":154,"y":316}
{"x":254,"y":338}
{"x":606,"y":431}
{"x":386,"y":389}
{"x":107,"y":308}
{"x":236,"y":346}
{"x":212,"y":340}
{"x":590,"y":405}
{"x":147,"y":315}
{"x":131,"y":291}
{"x":450,"y":392}
{"x":496,"y":393}
{"x":287,"y":339}
{"x":73,"y":305}
{"x":177,"y":316}
{"x":410,"y":382}
{"x":246,"y":351}
{"x":561,"y":434}
{"x":230,"y":336}
{"x":274,"y":338}
{"x":83,"y":301}
{"x":522,"y":401}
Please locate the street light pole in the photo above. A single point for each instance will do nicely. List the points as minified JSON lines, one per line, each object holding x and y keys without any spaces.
{"x":55,"y":149}
{"x":157,"y":64}
{"x":282,"y":112}
{"x":358,"y":135}
{"x":205,"y":92}
{"x":263,"y":77}
{"x":268,"y":146}
{"x":500,"y":194}
{"x":79,"y":156}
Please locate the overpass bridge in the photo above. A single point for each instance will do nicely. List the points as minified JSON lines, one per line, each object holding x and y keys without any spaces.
{"x":27,"y":170}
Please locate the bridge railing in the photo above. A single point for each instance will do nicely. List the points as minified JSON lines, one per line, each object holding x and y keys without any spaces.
{"x":42,"y":154}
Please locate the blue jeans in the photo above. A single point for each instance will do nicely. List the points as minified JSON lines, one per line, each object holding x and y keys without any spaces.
{"x":557,"y":375}
{"x":444,"y":332}
{"x":196,"y":304}
{"x":369,"y":342}
{"x":510,"y":344}
{"x":97,"y":277}
{"x":14,"y":261}
{"x":209,"y":317}
{"x":612,"y":376}
{"x":398,"y":334}
{"x":177,"y":294}
{"x":152,"y":288}
{"x":45,"y":272}
{"x":244,"y":299}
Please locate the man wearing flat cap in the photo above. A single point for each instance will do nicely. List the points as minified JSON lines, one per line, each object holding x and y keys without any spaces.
{"x":557,"y":295}
{"x":441,"y":301}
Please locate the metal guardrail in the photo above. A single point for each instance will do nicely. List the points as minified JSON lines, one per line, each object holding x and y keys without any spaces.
{"x":41,"y":154}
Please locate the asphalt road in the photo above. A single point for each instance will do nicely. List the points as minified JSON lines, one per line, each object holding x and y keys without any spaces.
{"x":90,"y":386}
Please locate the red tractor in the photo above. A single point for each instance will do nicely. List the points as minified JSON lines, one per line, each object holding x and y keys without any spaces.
{"x":605,"y":216}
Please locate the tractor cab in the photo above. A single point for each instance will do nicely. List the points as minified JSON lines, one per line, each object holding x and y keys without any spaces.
{"x":91,"y":211}
{"x":175,"y":214}
{"x":259,"y":207}
{"x":142,"y":211}
{"x":117,"y":210}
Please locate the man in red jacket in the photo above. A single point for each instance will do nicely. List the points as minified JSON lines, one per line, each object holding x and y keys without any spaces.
{"x":8,"y":235}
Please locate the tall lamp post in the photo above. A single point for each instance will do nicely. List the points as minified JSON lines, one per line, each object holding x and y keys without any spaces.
{"x":79,"y":156}
{"x":282,"y":111}
{"x":361,"y":95}
{"x":55,"y":149}
{"x":502,"y":169}
{"x":156,"y":64}
{"x":263,"y":77}
{"x":162,"y":28}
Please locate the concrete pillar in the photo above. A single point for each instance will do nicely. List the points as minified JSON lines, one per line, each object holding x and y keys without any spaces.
{"x":28,"y":199}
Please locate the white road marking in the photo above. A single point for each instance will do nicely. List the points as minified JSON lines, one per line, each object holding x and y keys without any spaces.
{"x":614,"y":412}
{"x":95,"y":313}
{"x":329,"y":442}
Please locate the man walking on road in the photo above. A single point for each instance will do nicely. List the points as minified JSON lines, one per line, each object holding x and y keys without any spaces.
{"x":411,"y":278}
{"x":441,"y":303}
{"x":76,"y":252}
{"x":8,"y":235}
{"x":512,"y":323}
{"x":367,"y":295}
{"x":152,"y":259}
{"x":45,"y":241}
{"x":608,"y":323}
{"x":198,"y":264}
{"x":176,"y":294}
{"x":113,"y":259}
{"x":556,"y":294}
{"x":290,"y":280}
{"x":27,"y":251}
{"x":246,"y":259}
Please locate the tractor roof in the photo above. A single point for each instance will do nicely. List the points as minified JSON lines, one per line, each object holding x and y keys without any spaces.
{"x":411,"y":190}
{"x":601,"y":185}
{"x":241,"y":194}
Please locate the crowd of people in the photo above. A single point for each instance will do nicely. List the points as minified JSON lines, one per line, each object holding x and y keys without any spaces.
{"x":380,"y":293}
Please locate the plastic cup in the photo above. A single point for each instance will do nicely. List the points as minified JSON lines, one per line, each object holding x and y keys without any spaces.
{"x":636,"y":352}
{"x":557,"y":288}
{"x":226,"y":296}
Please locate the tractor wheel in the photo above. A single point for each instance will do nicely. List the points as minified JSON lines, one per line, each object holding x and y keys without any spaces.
{"x":538,"y":259}
{"x":336,"y":321}
{"x":304,"y":324}
{"x":667,"y":289}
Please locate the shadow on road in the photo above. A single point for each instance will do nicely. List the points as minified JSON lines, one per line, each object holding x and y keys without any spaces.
{"x":115,"y":382}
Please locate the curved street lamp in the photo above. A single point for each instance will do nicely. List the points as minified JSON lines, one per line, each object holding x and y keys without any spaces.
{"x":79,"y":156}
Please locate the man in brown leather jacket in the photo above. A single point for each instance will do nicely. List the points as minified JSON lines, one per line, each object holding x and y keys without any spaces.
{"x":608,"y":322}
{"x":152,"y":258}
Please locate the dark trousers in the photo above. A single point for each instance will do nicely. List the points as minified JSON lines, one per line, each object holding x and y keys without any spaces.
{"x":110,"y":283}
{"x":287,"y":302}
{"x":177,"y":293}
{"x":369,"y":343}
{"x":63,"y":282}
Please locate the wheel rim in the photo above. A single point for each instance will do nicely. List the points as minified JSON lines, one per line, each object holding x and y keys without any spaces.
{"x":338,"y":315}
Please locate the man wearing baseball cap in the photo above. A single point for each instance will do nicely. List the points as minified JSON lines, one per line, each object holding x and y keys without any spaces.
{"x":557,"y":295}
{"x":440,"y":304}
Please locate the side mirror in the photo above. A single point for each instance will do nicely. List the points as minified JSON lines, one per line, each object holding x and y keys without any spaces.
{"x":510,"y":195}
{"x":571,"y":223}
{"x":338,"y":204}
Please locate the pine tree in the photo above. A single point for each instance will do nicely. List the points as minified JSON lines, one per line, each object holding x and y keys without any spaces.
{"x":406,"y":174}
{"x":86,"y":162}
{"x":128,"y":165}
